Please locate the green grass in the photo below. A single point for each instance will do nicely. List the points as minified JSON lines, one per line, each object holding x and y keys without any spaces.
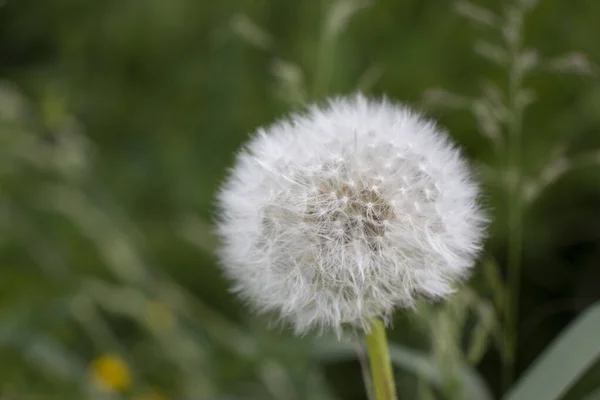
{"x":118,"y":120}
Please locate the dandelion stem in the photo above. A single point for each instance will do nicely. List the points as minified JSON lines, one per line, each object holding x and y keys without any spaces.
{"x":382,"y":377}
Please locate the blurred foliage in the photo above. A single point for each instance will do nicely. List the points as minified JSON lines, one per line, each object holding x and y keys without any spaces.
{"x":118,"y":120}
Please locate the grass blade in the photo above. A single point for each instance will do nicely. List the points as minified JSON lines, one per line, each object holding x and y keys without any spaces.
{"x":565,"y":360}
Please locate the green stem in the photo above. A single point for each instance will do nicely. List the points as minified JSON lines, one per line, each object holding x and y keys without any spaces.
{"x":325,"y":60}
{"x":382,"y":377}
{"x":514,"y":201}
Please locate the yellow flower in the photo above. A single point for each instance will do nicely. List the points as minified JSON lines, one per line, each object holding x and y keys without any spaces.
{"x":110,"y":373}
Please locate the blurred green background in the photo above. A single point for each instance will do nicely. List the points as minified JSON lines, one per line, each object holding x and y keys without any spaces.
{"x":118,"y":120}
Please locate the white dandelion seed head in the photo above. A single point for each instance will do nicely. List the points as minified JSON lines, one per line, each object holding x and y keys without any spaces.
{"x":346,"y":212}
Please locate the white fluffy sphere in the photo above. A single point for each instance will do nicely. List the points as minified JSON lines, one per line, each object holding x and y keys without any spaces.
{"x":345,"y":212}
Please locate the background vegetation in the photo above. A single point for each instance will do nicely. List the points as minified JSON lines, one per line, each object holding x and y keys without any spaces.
{"x":118,"y":120}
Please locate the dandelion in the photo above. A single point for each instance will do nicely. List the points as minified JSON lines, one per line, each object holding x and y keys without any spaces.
{"x":110,"y":373}
{"x":342,"y":214}
{"x":347,"y":212}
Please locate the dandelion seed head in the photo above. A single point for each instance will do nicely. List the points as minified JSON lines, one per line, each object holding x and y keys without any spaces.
{"x":347,"y":212}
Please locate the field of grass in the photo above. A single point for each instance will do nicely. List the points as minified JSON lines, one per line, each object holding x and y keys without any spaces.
{"x":119,"y":119}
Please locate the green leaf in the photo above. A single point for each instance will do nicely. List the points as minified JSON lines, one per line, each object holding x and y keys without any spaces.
{"x":409,"y":360}
{"x":595,"y":395}
{"x":564,"y":362}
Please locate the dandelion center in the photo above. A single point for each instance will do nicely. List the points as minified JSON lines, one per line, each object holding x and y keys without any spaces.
{"x":347,"y":212}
